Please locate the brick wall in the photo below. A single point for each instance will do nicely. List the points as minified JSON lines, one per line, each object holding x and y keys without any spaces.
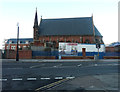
{"x":23,"y":54}
{"x":77,"y":57}
{"x":109,"y":49}
{"x":111,"y":57}
{"x":76,"y":39}
{"x":67,"y":38}
{"x":44,"y":57}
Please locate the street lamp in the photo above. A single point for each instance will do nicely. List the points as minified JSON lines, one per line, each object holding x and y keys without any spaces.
{"x":17,"y":54}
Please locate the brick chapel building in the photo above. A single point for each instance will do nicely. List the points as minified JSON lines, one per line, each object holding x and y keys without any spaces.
{"x":49,"y":32}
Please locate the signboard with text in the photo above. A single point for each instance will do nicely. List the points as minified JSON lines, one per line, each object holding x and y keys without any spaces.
{"x":74,"y":48}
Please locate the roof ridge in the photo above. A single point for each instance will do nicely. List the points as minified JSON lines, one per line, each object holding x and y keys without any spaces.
{"x":21,"y":38}
{"x":66,"y":18}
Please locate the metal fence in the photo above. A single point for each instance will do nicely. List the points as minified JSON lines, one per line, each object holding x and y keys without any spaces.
{"x":45,"y":53}
{"x":56,"y":53}
{"x":112,"y":54}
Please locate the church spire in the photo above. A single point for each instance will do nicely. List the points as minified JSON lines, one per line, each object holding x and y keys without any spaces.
{"x":36,"y":27}
{"x":36,"y":19}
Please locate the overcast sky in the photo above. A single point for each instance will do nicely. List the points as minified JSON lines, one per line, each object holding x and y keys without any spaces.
{"x":105,"y":15}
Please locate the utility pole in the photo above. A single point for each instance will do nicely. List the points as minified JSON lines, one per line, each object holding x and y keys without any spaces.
{"x":17,"y":54}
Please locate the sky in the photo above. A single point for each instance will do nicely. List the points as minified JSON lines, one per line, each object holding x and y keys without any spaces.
{"x":105,"y":16}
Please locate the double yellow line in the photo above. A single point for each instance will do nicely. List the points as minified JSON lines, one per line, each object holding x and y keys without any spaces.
{"x":51,"y":85}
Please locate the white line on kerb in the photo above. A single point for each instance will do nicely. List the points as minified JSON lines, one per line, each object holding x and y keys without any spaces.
{"x":31,"y":78}
{"x":45,"y":78}
{"x":58,"y":77}
{"x":3,"y":79}
{"x":70,"y":77}
{"x":19,"y":79}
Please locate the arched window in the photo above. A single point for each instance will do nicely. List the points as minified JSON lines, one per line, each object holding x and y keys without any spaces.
{"x":43,"y":40}
{"x":57,"y":40}
{"x":68,"y":41}
{"x":81,"y":39}
{"x":65,"y":39}
{"x":87,"y":41}
{"x":97,"y":41}
{"x":72,"y":40}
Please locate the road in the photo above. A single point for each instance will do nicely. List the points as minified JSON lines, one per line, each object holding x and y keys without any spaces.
{"x":33,"y":75}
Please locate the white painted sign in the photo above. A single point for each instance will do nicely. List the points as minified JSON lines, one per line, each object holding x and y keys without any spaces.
{"x":73,"y":48}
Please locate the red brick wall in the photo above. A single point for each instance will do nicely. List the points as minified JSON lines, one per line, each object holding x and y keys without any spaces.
{"x":44,"y":57}
{"x":77,"y":57}
{"x":40,"y":42}
{"x":68,"y":38}
{"x":111,"y":57}
{"x":109,"y":49}
{"x":23,"y":54}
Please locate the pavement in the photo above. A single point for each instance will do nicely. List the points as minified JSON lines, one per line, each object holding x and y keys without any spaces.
{"x":56,"y":60}
{"x":95,"y":82}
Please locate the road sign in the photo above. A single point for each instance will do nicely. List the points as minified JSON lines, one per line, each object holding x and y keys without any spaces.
{"x":98,"y":45}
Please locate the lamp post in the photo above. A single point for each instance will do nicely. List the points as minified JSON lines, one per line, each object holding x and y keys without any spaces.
{"x":17,"y":54}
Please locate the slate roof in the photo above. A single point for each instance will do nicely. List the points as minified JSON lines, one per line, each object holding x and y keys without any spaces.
{"x":22,"y":40}
{"x":67,"y":26}
{"x":114,"y":44}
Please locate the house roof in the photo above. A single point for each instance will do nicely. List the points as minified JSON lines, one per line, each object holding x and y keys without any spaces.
{"x":22,"y":40}
{"x":67,"y":26}
{"x":114,"y":44}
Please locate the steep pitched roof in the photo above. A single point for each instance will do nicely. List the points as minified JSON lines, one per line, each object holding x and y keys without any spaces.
{"x":67,"y":26}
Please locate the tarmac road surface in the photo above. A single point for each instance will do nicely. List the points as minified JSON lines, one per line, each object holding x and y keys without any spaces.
{"x":33,"y":75}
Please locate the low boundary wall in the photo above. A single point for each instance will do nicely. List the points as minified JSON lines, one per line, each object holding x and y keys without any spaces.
{"x":23,"y":54}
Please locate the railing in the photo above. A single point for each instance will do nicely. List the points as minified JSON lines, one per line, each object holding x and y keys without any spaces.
{"x":56,"y":53}
{"x":45,"y":53}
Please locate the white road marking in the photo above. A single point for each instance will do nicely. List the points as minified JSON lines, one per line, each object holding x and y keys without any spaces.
{"x":58,"y":77}
{"x":116,"y":64}
{"x":31,"y":78}
{"x":70,"y":77}
{"x":96,"y":65}
{"x":54,"y":66}
{"x":3,"y":79}
{"x":19,"y":79}
{"x":79,"y":65}
{"x":113,"y":64}
{"x":34,"y":66}
{"x":109,"y":64}
{"x":92,"y":86}
{"x":58,"y":65}
{"x":14,"y":68}
{"x":37,"y":66}
{"x":45,"y":78}
{"x":61,"y":64}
